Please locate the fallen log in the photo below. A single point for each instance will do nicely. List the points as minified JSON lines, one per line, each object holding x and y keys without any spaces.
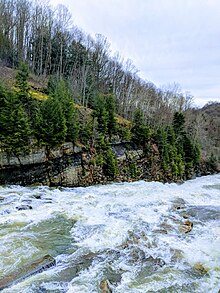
{"x":28,"y":270}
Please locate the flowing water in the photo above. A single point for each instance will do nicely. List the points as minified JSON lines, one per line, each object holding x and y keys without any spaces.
{"x":130,"y":234}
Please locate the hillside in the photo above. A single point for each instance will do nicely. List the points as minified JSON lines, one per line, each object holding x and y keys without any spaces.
{"x":8,"y":76}
{"x":65,"y":86}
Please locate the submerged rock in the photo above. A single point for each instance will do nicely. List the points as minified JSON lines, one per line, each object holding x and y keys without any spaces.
{"x":24,"y":207}
{"x":104,"y":286}
{"x":204,"y":213}
{"x":178,"y":204}
{"x":35,"y":267}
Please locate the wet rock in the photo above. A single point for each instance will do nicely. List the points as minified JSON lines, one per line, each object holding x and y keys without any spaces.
{"x":160,"y":231}
{"x":204,"y":213}
{"x":113,"y":276}
{"x":178,"y":204}
{"x":177,"y":255}
{"x":186,"y":216}
{"x":24,"y":207}
{"x":164,"y":228}
{"x":104,"y":287}
{"x":33,"y":268}
{"x":150,"y":265}
{"x":186,"y":227}
{"x":37,"y":196}
{"x":200,"y":268}
{"x":76,"y":265}
{"x":1,"y":198}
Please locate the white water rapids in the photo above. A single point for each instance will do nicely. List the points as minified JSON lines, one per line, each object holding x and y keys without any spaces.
{"x":127,"y":233}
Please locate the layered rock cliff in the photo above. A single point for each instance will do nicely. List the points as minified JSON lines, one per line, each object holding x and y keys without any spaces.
{"x":73,"y":166}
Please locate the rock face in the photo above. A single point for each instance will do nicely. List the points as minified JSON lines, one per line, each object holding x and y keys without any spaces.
{"x":35,"y":267}
{"x":72,"y":166}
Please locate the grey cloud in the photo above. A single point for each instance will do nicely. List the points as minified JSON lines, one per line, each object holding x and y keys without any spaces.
{"x":168,"y":41}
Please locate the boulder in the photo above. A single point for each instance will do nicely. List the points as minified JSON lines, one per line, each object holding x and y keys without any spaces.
{"x":200,"y":268}
{"x":186,"y":227}
{"x":34,"y":267}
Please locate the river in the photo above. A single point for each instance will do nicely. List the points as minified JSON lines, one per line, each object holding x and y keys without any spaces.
{"x":133,"y":235}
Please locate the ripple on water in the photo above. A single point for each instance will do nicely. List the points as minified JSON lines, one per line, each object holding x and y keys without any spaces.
{"x":127,"y":233}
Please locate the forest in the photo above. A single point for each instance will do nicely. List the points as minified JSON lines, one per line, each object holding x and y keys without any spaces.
{"x":87,"y":95}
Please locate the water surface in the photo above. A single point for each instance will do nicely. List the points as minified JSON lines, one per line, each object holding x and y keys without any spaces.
{"x":130,"y":234}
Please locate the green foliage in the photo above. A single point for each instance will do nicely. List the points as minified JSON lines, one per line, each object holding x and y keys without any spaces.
{"x":22,"y":79}
{"x":188,"y":149}
{"x":52,"y":85}
{"x":197,"y":154}
{"x":178,"y":152}
{"x":104,"y":112}
{"x":133,"y":169}
{"x":3,"y":95}
{"x":101,"y":114}
{"x":23,"y":92}
{"x":213,"y":161}
{"x":124,"y":133}
{"x":50,"y":123}
{"x":110,"y":163}
{"x":140,"y":131}
{"x":85,"y":132}
{"x":110,"y":109}
{"x":60,"y":91}
{"x":14,"y":126}
{"x":178,"y":122}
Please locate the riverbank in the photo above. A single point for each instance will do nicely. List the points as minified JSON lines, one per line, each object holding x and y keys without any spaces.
{"x":73,"y":166}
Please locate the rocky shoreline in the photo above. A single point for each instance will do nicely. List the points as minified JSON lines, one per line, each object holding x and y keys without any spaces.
{"x":73,"y":166}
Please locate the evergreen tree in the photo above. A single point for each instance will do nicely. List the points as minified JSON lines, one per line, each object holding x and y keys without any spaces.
{"x":50,"y":123}
{"x":3,"y":95}
{"x":140,"y":131}
{"x":14,"y":127}
{"x":110,"y":163}
{"x":22,"y":83}
{"x":188,"y":149}
{"x":85,"y":132}
{"x":178,"y":122}
{"x":110,"y":108}
{"x":63,"y":94}
{"x":23,"y":93}
{"x":101,"y":114}
{"x":52,"y":85}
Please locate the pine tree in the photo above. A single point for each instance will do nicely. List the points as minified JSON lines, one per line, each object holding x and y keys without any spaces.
{"x":140,"y":131}
{"x":101,"y":114}
{"x":14,"y":127}
{"x":178,"y":122}
{"x":110,"y":109}
{"x":50,"y":123}
{"x":22,"y":83}
{"x":110,"y":163}
{"x":23,"y":89}
{"x":63,"y":95}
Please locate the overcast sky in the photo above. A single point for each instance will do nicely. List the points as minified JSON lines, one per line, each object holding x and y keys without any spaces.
{"x":167,"y":40}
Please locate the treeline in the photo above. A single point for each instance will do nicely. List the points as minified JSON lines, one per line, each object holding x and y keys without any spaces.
{"x":47,"y":41}
{"x":26,"y":122}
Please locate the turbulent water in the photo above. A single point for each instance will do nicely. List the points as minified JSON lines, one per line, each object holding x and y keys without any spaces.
{"x":130,"y":234}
